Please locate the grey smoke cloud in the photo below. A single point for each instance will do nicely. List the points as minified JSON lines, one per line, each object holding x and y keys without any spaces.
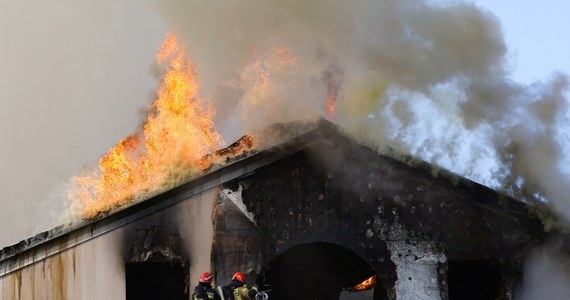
{"x":546,"y":274}
{"x":71,"y":74}
{"x":429,"y":77}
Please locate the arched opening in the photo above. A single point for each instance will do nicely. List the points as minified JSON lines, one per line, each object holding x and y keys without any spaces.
{"x":317,"y":271}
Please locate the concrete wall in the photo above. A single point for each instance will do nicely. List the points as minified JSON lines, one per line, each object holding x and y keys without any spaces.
{"x":92,"y":270}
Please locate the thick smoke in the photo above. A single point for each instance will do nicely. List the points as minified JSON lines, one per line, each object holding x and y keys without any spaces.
{"x":427,"y":77}
{"x":546,"y":274}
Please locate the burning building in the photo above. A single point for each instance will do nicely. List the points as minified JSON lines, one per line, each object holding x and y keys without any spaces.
{"x":300,"y":207}
{"x":314,"y":215}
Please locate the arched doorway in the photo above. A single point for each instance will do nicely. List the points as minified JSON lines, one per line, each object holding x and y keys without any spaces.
{"x":317,"y":271}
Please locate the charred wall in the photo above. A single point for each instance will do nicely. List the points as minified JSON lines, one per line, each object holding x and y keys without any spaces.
{"x":387,"y":212}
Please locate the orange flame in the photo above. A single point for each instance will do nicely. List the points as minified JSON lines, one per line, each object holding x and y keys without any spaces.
{"x":177,"y":133}
{"x":332,"y":78}
{"x":366,"y":284}
{"x":268,"y":74}
{"x":331,"y":107}
{"x":270,"y":83}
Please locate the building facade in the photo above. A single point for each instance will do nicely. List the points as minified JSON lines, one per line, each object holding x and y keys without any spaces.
{"x":311,"y":216}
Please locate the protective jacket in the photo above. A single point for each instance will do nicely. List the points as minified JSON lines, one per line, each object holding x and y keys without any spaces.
{"x":204,"y":291}
{"x":236,"y":290}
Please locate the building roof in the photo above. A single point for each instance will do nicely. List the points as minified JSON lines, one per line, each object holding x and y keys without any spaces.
{"x":279,"y":141}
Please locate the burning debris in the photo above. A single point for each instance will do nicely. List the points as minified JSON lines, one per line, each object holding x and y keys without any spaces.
{"x":238,"y":149}
{"x":365,"y":285}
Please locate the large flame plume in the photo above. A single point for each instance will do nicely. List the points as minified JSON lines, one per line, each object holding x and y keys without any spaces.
{"x":178,"y":132}
{"x":178,"y":140}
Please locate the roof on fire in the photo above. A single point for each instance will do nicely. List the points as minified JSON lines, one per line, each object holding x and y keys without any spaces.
{"x":286,"y":139}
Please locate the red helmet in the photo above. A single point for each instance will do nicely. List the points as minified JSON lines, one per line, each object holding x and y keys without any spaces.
{"x":239,"y":277}
{"x":206,"y":277}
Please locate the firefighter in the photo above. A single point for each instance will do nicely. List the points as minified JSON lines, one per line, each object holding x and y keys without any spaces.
{"x":238,"y":290}
{"x":204,"y":290}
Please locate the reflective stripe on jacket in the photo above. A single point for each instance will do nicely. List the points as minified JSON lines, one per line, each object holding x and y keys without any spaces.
{"x":243,"y":293}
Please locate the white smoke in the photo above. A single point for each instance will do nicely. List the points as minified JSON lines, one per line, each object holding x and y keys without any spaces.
{"x":428,"y":77}
{"x":546,"y":276}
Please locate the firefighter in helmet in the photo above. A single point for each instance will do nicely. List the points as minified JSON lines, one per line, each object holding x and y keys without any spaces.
{"x":204,"y":290}
{"x":238,"y":290}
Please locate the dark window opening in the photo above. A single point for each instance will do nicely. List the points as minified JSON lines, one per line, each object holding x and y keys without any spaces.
{"x":474,"y":279}
{"x":155,"y":280}
{"x":155,"y":268}
{"x":317,"y":271}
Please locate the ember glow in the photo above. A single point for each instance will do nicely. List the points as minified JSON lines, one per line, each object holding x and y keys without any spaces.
{"x":177,"y":133}
{"x":331,"y":106}
{"x":266,"y":82}
{"x":365,"y":285}
{"x":333,"y":80}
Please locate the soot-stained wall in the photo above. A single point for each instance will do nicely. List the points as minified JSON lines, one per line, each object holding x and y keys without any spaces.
{"x":95,"y":269}
{"x":405,"y":220}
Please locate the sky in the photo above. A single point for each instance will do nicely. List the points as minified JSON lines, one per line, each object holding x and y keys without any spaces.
{"x":76,"y":77}
{"x":536,"y":36}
